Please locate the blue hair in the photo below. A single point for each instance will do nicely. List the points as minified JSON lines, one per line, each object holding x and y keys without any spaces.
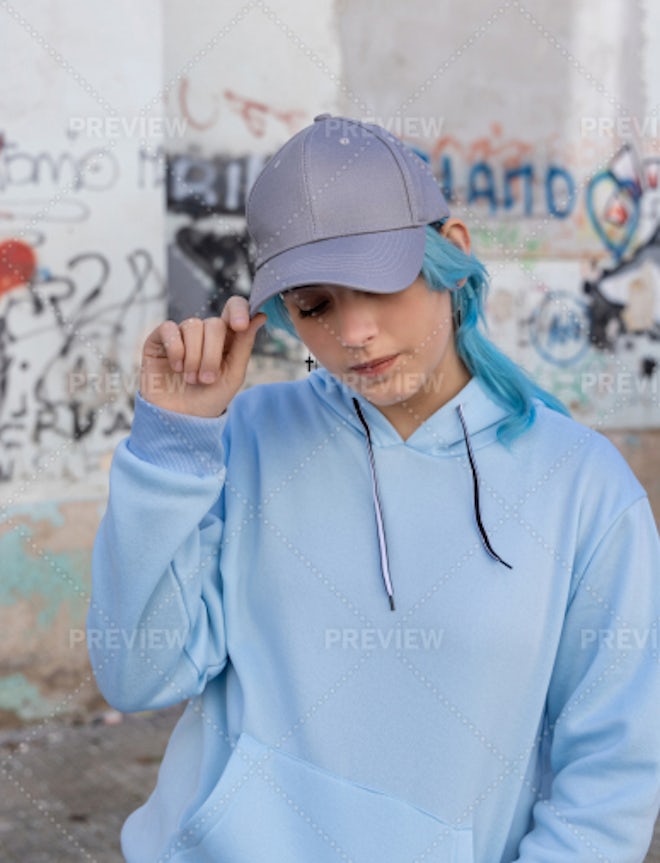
{"x":507,"y":383}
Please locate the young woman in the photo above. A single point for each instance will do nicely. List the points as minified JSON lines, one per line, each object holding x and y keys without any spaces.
{"x":412,"y":604}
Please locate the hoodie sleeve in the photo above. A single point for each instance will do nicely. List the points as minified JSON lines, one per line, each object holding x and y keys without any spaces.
{"x":155,"y":628}
{"x":604,"y":706}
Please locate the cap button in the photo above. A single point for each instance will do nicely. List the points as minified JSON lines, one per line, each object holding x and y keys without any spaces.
{"x":322,"y":117}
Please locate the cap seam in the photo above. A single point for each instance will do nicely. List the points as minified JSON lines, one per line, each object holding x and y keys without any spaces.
{"x":306,"y":168}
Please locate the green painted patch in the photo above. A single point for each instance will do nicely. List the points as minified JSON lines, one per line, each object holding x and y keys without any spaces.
{"x":46,"y":580}
{"x":19,"y":696}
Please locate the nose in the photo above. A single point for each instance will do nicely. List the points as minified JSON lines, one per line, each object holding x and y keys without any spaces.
{"x":357,"y":324}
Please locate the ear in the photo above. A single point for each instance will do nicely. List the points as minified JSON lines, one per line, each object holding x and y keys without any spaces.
{"x":457,"y":233}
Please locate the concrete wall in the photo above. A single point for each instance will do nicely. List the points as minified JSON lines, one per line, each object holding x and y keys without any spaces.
{"x":130,"y":137}
{"x":81,"y":282}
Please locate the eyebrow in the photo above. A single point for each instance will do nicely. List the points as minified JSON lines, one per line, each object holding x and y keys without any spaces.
{"x":290,"y":291}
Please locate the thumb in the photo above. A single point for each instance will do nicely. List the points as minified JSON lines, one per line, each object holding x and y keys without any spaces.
{"x":242,"y":344}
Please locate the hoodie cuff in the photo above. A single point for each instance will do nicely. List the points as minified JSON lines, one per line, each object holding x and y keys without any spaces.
{"x":178,"y":442}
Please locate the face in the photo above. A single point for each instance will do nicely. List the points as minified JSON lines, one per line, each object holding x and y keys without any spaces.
{"x":397,"y":350}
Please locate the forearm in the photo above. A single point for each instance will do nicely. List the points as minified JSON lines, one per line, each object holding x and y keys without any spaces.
{"x":155,"y":623}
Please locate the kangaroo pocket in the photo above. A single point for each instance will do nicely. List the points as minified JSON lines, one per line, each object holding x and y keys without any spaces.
{"x":269,"y":806}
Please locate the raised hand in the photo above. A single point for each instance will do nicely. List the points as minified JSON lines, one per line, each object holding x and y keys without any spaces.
{"x":197,"y":367}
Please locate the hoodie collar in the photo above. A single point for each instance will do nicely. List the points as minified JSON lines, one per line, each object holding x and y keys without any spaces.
{"x":440,"y":434}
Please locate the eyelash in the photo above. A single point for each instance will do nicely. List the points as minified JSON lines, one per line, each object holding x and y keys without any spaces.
{"x":310,"y":313}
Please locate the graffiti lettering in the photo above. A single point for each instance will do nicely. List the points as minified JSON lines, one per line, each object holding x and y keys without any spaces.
{"x":203,"y":187}
{"x":255,"y":113}
{"x":94,"y":170}
{"x":152,"y":167}
{"x":522,"y":190}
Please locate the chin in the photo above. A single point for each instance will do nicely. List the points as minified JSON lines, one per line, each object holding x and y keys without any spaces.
{"x":383,"y":398}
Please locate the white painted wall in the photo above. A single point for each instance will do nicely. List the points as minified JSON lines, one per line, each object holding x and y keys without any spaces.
{"x":74,"y":88}
{"x":246,"y":76}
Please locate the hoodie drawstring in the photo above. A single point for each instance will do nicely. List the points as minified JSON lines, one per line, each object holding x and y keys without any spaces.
{"x":475,"y":486}
{"x":384,"y":562}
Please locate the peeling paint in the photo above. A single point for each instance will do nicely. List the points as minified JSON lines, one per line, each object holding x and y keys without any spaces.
{"x":32,"y":571}
{"x":45,"y":566}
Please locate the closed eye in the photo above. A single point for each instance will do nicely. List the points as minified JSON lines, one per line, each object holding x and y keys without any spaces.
{"x":316,"y":310}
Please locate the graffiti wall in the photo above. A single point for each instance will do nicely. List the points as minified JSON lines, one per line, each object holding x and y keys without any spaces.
{"x":129,"y":136}
{"x":122,"y":189}
{"x":550,"y":153}
{"x":576,"y":301}
{"x":68,"y":358}
{"x":561,"y":198}
{"x":82,"y":280}
{"x":580,"y":308}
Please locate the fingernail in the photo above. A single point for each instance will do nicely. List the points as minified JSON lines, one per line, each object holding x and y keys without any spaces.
{"x":190,"y":378}
{"x":178,"y":366}
{"x":207,"y":377}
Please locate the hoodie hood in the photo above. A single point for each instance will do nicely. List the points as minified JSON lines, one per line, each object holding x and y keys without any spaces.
{"x":462,"y":425}
{"x":441,"y":434}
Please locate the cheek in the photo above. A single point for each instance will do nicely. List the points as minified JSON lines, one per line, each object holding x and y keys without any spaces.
{"x":314,"y":332}
{"x":434,"y":329}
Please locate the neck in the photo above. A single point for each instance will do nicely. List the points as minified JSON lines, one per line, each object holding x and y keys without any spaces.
{"x":407,"y":416}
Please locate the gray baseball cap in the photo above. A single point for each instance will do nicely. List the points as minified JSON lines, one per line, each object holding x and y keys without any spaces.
{"x":342,"y":203}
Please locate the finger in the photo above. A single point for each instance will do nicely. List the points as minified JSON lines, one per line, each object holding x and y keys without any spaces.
{"x":215,"y":330}
{"x":192,"y":331}
{"x":241,"y":346}
{"x":171,"y":344}
{"x":236,"y":313}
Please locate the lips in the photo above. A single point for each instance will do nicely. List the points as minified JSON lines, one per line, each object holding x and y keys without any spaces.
{"x":375,"y":366}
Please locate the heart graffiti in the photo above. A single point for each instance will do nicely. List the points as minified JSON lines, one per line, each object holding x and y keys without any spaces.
{"x":613,"y":208}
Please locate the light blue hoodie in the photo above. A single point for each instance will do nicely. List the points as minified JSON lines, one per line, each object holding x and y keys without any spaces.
{"x":507,"y":709}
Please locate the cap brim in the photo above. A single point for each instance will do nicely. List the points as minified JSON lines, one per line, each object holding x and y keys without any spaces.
{"x":381,"y":263}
